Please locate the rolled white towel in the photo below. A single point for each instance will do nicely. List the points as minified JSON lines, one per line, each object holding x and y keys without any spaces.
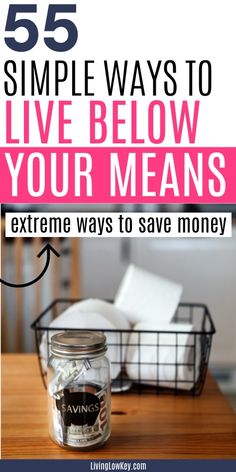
{"x":144,"y":296}
{"x":93,"y":314}
{"x":165,"y":358}
{"x":106,"y":309}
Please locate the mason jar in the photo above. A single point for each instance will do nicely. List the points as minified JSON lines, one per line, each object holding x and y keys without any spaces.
{"x":79,"y":390}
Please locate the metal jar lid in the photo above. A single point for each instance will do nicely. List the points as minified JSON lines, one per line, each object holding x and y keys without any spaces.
{"x":78,"y":344}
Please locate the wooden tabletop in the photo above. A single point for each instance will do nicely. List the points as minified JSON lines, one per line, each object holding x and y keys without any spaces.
{"x":145,"y":426}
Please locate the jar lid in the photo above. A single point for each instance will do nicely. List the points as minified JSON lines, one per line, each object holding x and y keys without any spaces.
{"x":79,"y":344}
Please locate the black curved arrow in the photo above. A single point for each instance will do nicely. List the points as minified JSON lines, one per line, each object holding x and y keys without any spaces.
{"x":48,"y":249}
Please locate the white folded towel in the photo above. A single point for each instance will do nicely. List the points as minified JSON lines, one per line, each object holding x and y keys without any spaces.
{"x":93,"y":314}
{"x":158,"y":361}
{"x":144,"y":296}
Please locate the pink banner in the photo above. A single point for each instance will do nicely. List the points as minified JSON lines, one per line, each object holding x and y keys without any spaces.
{"x":115,"y":175}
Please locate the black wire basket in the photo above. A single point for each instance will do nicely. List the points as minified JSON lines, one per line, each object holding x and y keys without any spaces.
{"x":162,"y":361}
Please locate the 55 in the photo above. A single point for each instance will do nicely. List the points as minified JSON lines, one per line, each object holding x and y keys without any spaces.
{"x":51,"y":24}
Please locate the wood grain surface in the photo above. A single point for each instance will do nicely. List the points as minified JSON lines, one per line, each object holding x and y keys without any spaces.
{"x":145,"y":426}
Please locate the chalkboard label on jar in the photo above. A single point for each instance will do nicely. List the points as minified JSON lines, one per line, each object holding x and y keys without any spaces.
{"x":78,"y":408}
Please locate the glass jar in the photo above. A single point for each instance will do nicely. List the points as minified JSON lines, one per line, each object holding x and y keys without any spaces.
{"x":79,"y":390}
